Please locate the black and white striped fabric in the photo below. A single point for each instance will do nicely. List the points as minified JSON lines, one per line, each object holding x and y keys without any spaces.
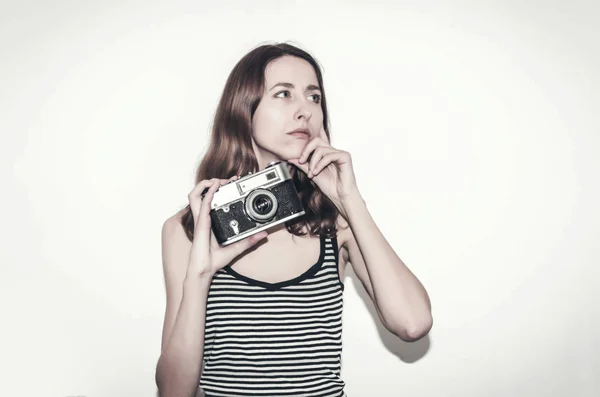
{"x":281,"y":339}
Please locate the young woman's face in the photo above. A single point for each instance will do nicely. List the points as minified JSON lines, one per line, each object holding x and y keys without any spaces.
{"x":291,"y":100}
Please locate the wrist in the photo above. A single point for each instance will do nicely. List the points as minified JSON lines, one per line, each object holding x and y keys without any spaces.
{"x":199,"y":276}
{"x":351,"y":201}
{"x":195,"y":288}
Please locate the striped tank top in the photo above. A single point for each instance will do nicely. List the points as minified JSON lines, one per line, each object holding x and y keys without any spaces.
{"x":275,"y":339}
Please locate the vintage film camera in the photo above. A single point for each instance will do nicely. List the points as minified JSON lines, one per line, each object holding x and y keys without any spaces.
{"x":254,"y":203}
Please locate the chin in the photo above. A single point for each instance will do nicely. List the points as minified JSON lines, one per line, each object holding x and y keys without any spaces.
{"x":291,"y":153}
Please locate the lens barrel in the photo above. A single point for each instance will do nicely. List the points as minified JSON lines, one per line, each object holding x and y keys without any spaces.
{"x":261,"y":205}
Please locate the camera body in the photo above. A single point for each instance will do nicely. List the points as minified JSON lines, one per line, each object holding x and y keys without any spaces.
{"x":254,"y":203}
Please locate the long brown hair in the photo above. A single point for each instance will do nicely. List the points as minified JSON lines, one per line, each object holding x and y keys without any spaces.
{"x":230,"y":150}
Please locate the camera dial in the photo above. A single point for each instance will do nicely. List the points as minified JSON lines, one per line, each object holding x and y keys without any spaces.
{"x":272,"y":163}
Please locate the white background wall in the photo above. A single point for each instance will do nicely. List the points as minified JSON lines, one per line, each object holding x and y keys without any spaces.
{"x":474,"y":132}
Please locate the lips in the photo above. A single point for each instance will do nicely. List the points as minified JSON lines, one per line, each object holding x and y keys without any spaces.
{"x":300,"y":132}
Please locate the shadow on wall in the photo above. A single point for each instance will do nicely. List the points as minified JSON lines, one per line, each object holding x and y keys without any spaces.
{"x":408,"y":352}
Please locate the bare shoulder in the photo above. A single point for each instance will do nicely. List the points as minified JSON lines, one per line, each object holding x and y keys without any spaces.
{"x":172,"y":227}
{"x":175,"y":247}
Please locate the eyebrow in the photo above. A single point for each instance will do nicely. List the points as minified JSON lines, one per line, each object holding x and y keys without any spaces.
{"x":310,"y":87}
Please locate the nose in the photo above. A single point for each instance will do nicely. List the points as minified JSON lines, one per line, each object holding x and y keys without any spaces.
{"x":303,"y":112}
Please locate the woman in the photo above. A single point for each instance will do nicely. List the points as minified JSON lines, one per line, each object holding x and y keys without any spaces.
{"x":264,"y":314}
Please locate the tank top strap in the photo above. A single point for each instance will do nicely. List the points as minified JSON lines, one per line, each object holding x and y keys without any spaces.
{"x":330,"y":258}
{"x":329,"y":249}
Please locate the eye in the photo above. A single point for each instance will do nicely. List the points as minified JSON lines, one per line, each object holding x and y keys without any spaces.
{"x":281,"y":92}
{"x":316,"y":99}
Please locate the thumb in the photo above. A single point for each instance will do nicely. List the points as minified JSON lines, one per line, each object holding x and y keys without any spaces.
{"x":238,"y":247}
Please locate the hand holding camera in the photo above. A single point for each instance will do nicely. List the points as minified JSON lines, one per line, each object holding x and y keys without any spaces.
{"x":206,"y":255}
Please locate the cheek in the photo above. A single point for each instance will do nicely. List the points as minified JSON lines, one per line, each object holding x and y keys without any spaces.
{"x":267,"y":122}
{"x":317,"y":120}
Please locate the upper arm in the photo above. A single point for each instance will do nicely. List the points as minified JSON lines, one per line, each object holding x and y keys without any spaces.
{"x":351,"y":253}
{"x":175,"y":248}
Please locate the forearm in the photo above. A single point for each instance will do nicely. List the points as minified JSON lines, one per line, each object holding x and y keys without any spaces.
{"x":180,"y":363}
{"x":399,"y":296}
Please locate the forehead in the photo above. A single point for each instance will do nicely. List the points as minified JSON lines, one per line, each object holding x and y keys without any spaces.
{"x":290,"y":69}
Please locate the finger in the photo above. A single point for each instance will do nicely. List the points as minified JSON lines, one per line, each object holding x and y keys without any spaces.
{"x":310,"y":146}
{"x":213,"y":239}
{"x":306,"y":151}
{"x":232,"y":251}
{"x":324,"y":162}
{"x":302,"y":167}
{"x":195,"y":197}
{"x":226,"y":181}
{"x":203,"y":224}
{"x":317,"y":155}
{"x":222,"y":182}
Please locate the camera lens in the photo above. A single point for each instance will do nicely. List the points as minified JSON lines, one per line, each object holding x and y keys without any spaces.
{"x":262,"y":204}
